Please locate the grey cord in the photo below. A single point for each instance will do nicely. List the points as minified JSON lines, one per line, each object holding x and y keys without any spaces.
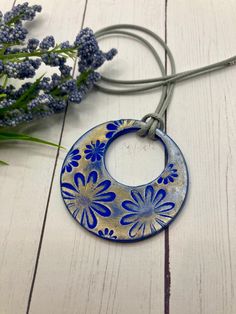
{"x":166,"y":82}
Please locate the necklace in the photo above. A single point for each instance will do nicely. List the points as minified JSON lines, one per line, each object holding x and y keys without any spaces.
{"x":94,"y":198}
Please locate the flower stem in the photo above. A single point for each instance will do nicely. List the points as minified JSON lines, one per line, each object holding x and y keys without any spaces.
{"x":5,"y":82}
{"x":37,"y":53}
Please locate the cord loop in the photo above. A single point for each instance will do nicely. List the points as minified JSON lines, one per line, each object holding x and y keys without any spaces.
{"x":166,"y":82}
{"x":152,"y":121}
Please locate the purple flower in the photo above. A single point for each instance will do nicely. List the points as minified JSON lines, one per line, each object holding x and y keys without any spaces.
{"x":91,"y":57}
{"x":20,"y":60}
{"x":32,"y":44}
{"x":47,"y":42}
{"x":22,"y":12}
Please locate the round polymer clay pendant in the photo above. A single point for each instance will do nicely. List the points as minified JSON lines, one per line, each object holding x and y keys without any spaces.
{"x":109,"y":208}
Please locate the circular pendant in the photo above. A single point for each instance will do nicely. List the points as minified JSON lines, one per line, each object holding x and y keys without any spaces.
{"x":113,"y":210}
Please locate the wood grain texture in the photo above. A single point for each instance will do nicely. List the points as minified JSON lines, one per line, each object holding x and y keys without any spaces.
{"x":202,"y":120}
{"x":79,"y":273}
{"x":26,"y":182}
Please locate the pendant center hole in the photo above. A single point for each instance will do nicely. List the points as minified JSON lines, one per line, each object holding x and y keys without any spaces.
{"x":134,"y":161}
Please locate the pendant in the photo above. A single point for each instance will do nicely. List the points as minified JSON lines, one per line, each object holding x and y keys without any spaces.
{"x":110,"y":209}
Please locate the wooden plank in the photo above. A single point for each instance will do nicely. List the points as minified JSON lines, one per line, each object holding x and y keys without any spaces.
{"x":77,"y":272}
{"x":6,"y":5}
{"x":25,"y":183}
{"x":202,"y":120}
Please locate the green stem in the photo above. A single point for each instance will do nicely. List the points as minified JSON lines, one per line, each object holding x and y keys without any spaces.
{"x":3,"y":96}
{"x":56,"y":92}
{"x":15,"y":19}
{"x":4,"y":163}
{"x":35,"y":53}
{"x":83,"y":77}
{"x":5,"y":81}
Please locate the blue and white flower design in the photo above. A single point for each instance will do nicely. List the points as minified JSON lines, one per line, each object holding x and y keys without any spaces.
{"x":94,"y":151}
{"x":108,"y":234}
{"x":146,"y":211}
{"x":171,"y":175}
{"x":112,"y":127}
{"x":72,"y":160}
{"x":87,"y":198}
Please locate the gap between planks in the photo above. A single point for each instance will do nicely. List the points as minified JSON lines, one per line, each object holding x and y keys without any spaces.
{"x":51,"y":184}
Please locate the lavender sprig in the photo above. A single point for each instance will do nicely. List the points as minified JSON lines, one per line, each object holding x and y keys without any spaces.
{"x":21,"y":60}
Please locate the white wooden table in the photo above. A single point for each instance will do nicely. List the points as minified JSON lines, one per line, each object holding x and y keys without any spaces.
{"x":48,"y":263}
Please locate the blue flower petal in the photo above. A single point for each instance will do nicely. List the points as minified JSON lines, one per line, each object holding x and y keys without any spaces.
{"x":104,"y":185}
{"x":74,"y":152}
{"x":79,"y":178}
{"x":74,"y":163}
{"x":93,"y":176}
{"x":111,"y":126}
{"x":87,"y":151}
{"x":106,"y":197}
{"x":160,"y":195}
{"x":109,"y":134}
{"x":130,"y":206}
{"x":88,"y":156}
{"x":136,"y":228}
{"x":170,"y":179}
{"x":88,"y":218}
{"x":153,"y":228}
{"x":100,"y":233}
{"x":166,"y":180}
{"x":149,"y":192}
{"x":75,"y":212}
{"x":68,"y":186}
{"x":101,"y":209}
{"x":67,"y":195}
{"x":136,"y":195}
{"x":165,"y":207}
{"x":93,"y":158}
{"x":160,"y":222}
{"x":68,"y":168}
{"x":97,"y":143}
{"x":99,"y":157}
{"x":164,"y":215}
{"x":77,"y":157}
{"x":129,"y":219}
{"x":111,"y":233}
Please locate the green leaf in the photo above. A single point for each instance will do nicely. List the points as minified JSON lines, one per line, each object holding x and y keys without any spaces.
{"x":25,"y":98}
{"x":15,"y":19}
{"x":3,"y":163}
{"x":30,"y":93}
{"x":81,"y":79}
{"x":8,"y":136}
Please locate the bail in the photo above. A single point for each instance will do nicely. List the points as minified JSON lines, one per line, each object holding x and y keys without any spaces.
{"x":149,"y":127}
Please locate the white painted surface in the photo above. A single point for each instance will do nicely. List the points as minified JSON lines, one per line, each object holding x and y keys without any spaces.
{"x":78,"y":273}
